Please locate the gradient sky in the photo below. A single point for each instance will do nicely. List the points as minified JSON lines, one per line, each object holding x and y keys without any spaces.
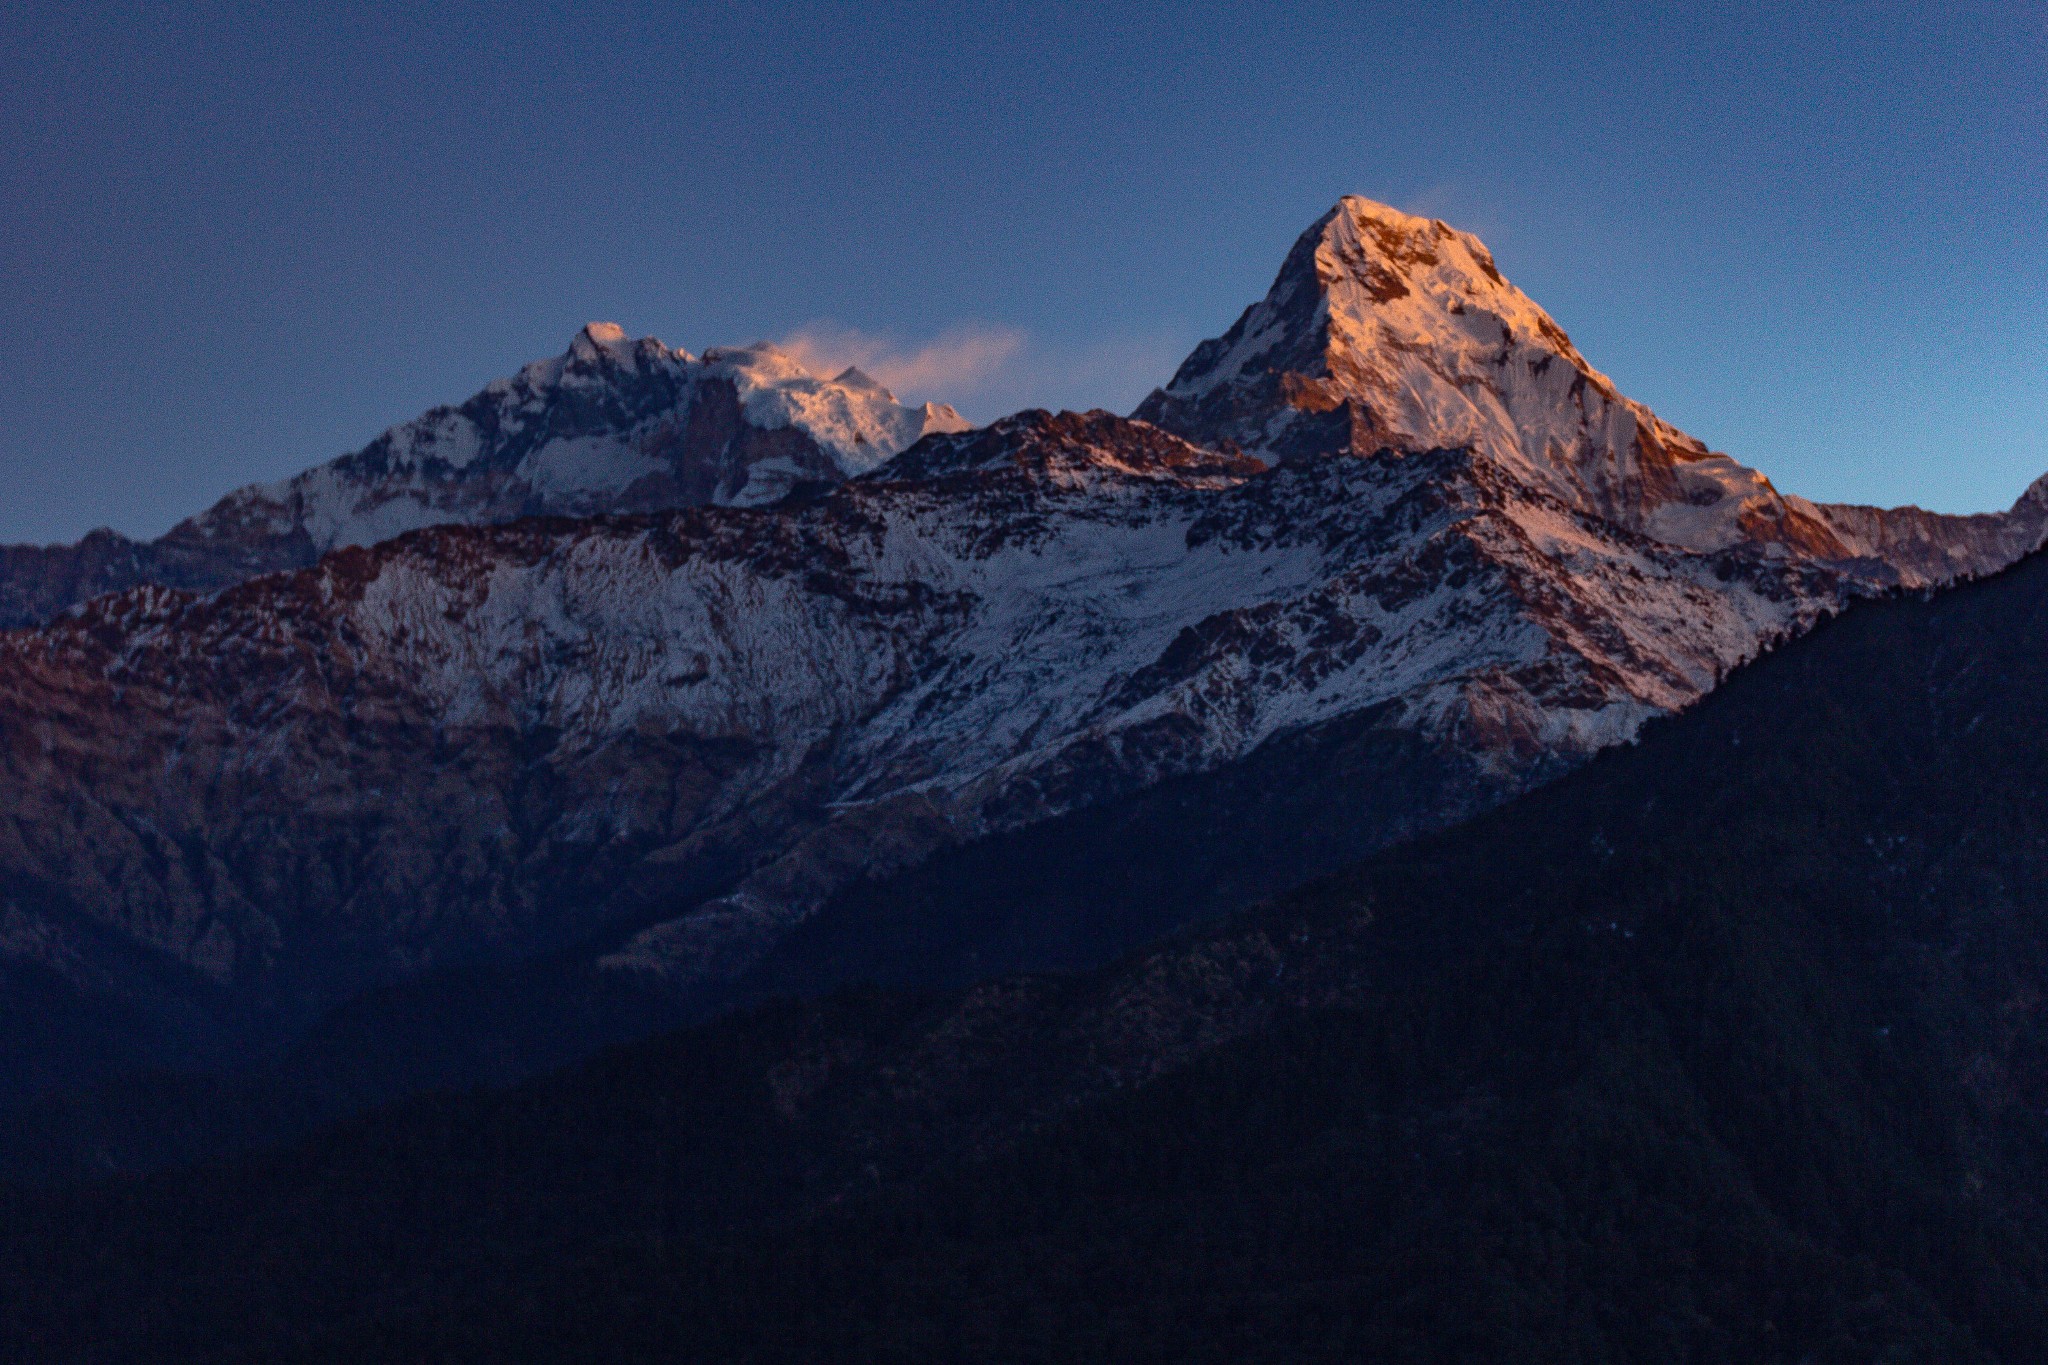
{"x":236,"y":240}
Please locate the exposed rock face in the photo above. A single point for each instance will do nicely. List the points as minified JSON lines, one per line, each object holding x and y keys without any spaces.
{"x":702,"y":725}
{"x":612,"y":425}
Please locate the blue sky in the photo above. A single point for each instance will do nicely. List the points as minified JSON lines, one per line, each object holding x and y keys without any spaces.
{"x":236,"y":240}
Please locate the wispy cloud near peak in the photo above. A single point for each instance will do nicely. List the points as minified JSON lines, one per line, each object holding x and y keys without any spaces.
{"x":988,"y":370}
{"x":958,"y":359}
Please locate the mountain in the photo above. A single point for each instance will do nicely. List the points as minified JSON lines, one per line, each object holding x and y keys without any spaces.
{"x":1388,"y":330}
{"x":1728,"y":1046}
{"x":702,"y":749}
{"x":613,"y":425}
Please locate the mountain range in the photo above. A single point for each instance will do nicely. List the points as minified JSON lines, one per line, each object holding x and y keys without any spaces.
{"x":612,"y":425}
{"x":703,"y":680}
{"x":1730,"y":1045}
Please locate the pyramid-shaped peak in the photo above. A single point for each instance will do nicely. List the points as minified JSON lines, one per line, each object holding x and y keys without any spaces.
{"x":1386,"y":329}
{"x":1369,"y":300}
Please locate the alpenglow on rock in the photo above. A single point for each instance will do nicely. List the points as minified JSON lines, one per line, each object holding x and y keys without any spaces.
{"x":1388,"y":330}
{"x":612,"y":425}
{"x":1399,"y":503}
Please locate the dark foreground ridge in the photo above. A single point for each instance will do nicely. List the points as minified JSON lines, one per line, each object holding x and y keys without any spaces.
{"x":1729,"y":1047}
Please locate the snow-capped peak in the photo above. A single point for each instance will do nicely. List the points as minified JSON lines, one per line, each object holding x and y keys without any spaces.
{"x":1385,"y":329}
{"x":613,"y":424}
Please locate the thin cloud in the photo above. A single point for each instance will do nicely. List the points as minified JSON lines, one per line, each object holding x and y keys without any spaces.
{"x":959,"y":359}
{"x":988,"y":371}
